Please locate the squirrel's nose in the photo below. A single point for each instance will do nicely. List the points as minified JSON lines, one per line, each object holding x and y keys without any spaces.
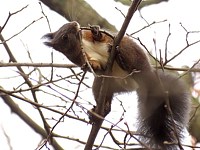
{"x":75,"y":23}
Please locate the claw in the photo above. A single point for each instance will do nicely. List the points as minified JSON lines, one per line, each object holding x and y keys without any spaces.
{"x":97,"y":36}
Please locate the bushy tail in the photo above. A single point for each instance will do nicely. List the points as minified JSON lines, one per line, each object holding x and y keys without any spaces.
{"x":159,"y":93}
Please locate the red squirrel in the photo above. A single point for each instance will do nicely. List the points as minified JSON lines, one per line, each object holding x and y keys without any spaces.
{"x":157,"y":91}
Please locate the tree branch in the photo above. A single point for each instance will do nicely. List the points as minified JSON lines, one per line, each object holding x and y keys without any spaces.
{"x":104,"y":87}
{"x":14,"y":108}
{"x":68,"y":9}
{"x":27,"y":81}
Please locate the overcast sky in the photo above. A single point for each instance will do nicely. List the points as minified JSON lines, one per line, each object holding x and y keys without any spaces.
{"x":186,"y":12}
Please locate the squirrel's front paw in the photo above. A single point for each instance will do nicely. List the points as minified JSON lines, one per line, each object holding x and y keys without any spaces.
{"x":97,"y":36}
{"x":95,"y":65}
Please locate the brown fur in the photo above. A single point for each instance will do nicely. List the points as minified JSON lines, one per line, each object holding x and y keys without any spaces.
{"x":131,"y":71}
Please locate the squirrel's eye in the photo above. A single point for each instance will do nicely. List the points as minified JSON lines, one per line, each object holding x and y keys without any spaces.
{"x":65,"y":37}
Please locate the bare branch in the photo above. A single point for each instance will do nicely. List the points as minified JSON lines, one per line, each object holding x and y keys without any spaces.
{"x":9,"y":16}
{"x":17,"y":64}
{"x":49,"y":137}
{"x":103,"y":89}
{"x":14,"y":107}
{"x":45,"y":16}
{"x":27,"y":81}
{"x":3,"y":41}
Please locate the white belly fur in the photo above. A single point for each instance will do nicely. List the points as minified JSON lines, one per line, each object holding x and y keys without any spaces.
{"x":99,"y":51}
{"x":96,"y":51}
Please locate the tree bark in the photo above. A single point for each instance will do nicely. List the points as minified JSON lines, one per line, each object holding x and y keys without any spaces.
{"x":78,"y":10}
{"x":143,"y":3}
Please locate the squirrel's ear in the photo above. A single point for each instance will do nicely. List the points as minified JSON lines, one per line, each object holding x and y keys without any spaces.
{"x":48,"y":44}
{"x":48,"y":36}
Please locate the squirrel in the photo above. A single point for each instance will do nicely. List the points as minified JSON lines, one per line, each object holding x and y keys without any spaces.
{"x":163,"y":99}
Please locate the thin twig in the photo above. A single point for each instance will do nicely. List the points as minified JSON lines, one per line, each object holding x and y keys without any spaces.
{"x":70,"y":66}
{"x":9,"y":16}
{"x":26,"y":79}
{"x":196,"y":63}
{"x":45,"y":16}
{"x":20,"y":30}
{"x":24,"y":64}
{"x":62,"y":117}
{"x":166,"y":43}
{"x":121,"y":12}
{"x":147,"y":26}
{"x":15,"y":108}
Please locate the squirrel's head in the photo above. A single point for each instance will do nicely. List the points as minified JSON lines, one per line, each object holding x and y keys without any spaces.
{"x":66,"y":39}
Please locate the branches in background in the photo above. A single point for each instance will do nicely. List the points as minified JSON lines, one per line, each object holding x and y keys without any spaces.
{"x":65,"y":91}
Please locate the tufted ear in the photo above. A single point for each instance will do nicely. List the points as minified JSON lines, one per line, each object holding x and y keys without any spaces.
{"x":48,"y":36}
{"x":48,"y":44}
